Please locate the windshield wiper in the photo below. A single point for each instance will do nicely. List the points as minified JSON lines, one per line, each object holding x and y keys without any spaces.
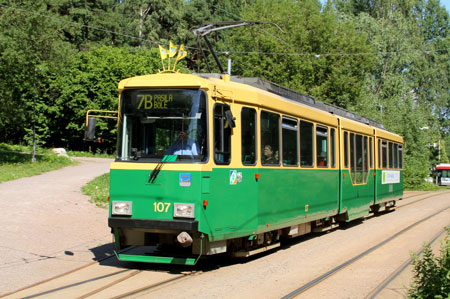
{"x":155,"y":172}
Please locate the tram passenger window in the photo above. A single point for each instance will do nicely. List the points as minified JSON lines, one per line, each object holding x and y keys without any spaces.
{"x":359,"y":159}
{"x":384,"y":153}
{"x":306,"y":143}
{"x":365,"y":159}
{"x":248,"y":124}
{"x":379,"y":153}
{"x":352,"y":157}
{"x":322,"y":146}
{"x":391,"y":155}
{"x":395,"y":155}
{"x":345,"y":149}
{"x":222,"y":135}
{"x":332,"y":148}
{"x":270,"y":138}
{"x":370,"y":152}
{"x":290,"y":142}
{"x":400,"y":156}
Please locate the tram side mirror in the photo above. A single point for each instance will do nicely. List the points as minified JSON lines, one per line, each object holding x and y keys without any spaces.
{"x":89,"y":131}
{"x":230,"y":118}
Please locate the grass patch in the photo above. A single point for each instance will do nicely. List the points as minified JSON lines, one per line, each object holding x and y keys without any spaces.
{"x":425,"y":186}
{"x":89,"y":154}
{"x":98,"y":190}
{"x":15,"y":162}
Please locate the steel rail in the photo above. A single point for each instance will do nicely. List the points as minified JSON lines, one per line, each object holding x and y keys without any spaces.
{"x":322,"y":277}
{"x":426,"y":197}
{"x":155,"y":285}
{"x":111,"y":284}
{"x":63,"y":274}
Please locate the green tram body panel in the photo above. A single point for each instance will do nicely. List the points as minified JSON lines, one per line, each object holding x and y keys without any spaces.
{"x":278,"y":199}
{"x":388,"y":191}
{"x":356,"y":198}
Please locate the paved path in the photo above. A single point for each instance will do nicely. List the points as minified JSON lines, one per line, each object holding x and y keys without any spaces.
{"x":49,"y":227}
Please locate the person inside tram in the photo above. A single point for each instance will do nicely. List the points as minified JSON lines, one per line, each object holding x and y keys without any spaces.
{"x":184,"y":145}
{"x":269,"y":156}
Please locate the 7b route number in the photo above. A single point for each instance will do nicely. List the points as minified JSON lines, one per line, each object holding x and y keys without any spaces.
{"x":161,"y":207}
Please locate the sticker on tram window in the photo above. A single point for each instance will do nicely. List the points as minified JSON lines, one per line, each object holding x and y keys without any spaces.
{"x":390,"y":177}
{"x":155,"y":101}
{"x":233,"y":177}
{"x":161,"y":207}
{"x":185,"y":179}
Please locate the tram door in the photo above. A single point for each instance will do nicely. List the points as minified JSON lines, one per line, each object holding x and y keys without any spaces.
{"x":357,"y":176}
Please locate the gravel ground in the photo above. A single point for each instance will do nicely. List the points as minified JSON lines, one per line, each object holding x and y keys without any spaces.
{"x":49,"y":226}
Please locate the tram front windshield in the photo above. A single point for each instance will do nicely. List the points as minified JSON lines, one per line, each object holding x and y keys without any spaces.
{"x":162,"y":125}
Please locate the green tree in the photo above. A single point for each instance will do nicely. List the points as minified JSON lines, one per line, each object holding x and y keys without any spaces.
{"x":91,"y":83}
{"x":89,"y":23}
{"x":154,"y":22}
{"x":317,"y":53}
{"x":28,"y":39}
{"x":405,"y":89}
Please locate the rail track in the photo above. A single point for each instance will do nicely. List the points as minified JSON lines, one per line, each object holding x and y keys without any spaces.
{"x":377,"y":290}
{"x":383,"y":285}
{"x":100,"y":280}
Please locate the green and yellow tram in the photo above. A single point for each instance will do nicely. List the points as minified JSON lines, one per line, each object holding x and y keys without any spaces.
{"x":212,"y":163}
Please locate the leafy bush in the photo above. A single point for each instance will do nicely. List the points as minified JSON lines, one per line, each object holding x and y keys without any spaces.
{"x":431,"y":273}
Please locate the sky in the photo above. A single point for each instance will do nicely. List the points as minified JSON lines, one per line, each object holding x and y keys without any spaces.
{"x":446,"y":4}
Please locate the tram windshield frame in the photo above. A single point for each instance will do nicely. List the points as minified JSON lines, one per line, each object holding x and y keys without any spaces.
{"x":163,"y":125}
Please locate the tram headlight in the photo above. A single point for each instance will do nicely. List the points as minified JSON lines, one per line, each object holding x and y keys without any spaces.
{"x":183,"y":210}
{"x":121,"y":208}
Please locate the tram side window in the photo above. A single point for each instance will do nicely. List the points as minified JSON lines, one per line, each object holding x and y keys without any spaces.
{"x":306,"y":143}
{"x":352,"y":157}
{"x":384,"y":153}
{"x":365,"y":161}
{"x":332,"y":147}
{"x":391,"y":155}
{"x":395,"y":155}
{"x":222,"y":135}
{"x":345,"y":149}
{"x":248,"y":124}
{"x":290,"y":142}
{"x":400,"y":156}
{"x":358,"y":158}
{"x":379,"y":153}
{"x":370,"y":152}
{"x":322,"y":146}
{"x":270,"y":138}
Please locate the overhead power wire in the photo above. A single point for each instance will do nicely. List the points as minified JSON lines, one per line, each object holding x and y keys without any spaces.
{"x":77,"y":24}
{"x":317,"y":55}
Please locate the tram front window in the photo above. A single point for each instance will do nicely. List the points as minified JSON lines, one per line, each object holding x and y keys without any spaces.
{"x":155,"y":123}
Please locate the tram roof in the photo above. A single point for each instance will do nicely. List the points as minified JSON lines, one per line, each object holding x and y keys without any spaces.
{"x":297,"y":97}
{"x":443,"y":166}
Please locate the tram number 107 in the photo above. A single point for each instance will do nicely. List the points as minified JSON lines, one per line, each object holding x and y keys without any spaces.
{"x":161,"y":207}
